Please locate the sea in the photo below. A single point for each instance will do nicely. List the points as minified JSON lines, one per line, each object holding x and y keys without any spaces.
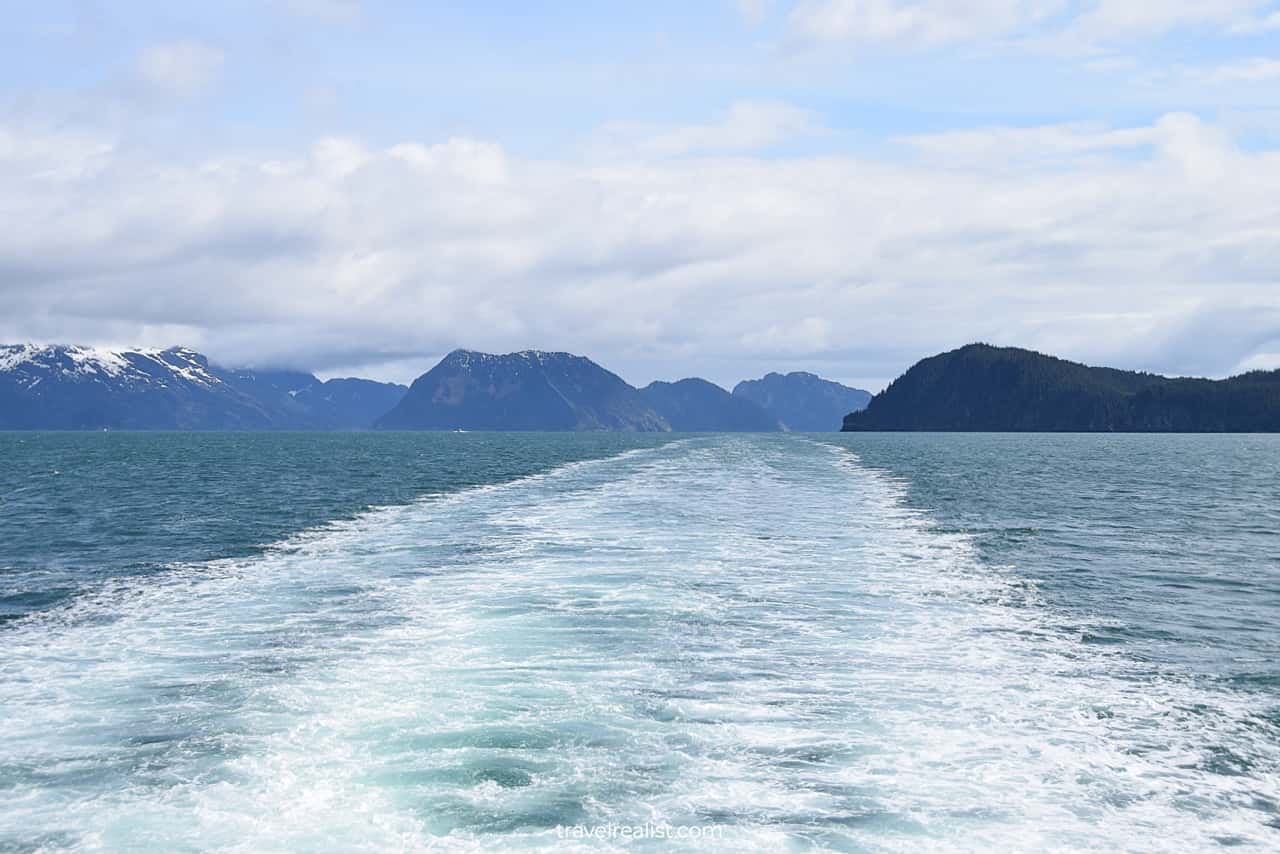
{"x":580,"y":642}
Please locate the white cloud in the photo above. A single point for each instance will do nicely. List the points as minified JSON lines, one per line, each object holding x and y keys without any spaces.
{"x":52,"y":155}
{"x":916,"y":22}
{"x":1053,"y":24}
{"x":468,"y":159}
{"x":181,"y":68}
{"x":997,"y":148}
{"x":1198,"y":150}
{"x":1101,"y":243}
{"x":745,"y":126}
{"x":338,"y":11}
{"x":1248,"y":71}
{"x":752,"y":10}
{"x":1113,"y":19}
{"x":806,"y":335}
{"x":1259,"y":362}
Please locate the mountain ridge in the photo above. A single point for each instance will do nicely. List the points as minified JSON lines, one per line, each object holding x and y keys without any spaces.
{"x":978,"y":387}
{"x":70,"y":387}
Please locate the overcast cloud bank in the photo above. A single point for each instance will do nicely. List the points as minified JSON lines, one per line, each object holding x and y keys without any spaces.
{"x":757,"y":237}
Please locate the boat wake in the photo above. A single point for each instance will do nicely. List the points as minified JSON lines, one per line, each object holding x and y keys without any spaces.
{"x":752,"y":634}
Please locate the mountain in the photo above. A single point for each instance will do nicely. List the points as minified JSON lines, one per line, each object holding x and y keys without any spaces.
{"x":84,"y":388}
{"x":802,"y":401}
{"x":349,"y":403}
{"x":301,"y":401}
{"x":695,"y":405}
{"x":530,"y":390}
{"x":980,"y":387}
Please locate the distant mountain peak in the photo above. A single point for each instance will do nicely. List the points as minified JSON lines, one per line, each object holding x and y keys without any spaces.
{"x":466,"y":358}
{"x":525,"y":390}
{"x":687,"y":382}
{"x":793,"y":375}
{"x":803,"y":401}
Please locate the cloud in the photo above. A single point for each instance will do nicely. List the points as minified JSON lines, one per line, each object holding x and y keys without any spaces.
{"x":999,"y":147}
{"x":1183,"y":140}
{"x":924,"y":23}
{"x":746,"y":126}
{"x":1055,"y":25}
{"x":182,"y":68}
{"x":752,"y":10}
{"x":1259,"y":362}
{"x":53,"y":155}
{"x":806,"y":335}
{"x":1110,"y":20}
{"x":1096,"y":242}
{"x":336,"y":11}
{"x":1255,"y":70}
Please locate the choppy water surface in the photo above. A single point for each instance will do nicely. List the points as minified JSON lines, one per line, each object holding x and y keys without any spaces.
{"x":809,"y":643}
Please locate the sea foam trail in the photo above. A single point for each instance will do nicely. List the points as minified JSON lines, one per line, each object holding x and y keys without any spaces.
{"x":751,"y":633}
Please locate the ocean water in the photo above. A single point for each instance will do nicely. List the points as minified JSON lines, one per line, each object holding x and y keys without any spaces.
{"x":501,"y":642}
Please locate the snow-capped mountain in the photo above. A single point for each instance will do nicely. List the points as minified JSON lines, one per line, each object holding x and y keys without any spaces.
{"x":31,"y":364}
{"x":55,"y":387}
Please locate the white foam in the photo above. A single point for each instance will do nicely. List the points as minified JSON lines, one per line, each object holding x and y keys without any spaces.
{"x":753,"y":632}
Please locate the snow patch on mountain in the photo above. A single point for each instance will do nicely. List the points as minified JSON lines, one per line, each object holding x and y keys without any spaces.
{"x":100,"y":364}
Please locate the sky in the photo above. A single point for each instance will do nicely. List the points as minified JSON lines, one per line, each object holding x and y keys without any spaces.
{"x":717,"y":188}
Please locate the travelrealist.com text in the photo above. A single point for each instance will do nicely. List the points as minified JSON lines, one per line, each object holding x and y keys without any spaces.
{"x":640,"y":831}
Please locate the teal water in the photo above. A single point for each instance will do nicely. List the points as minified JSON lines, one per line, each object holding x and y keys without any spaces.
{"x":472,"y":641}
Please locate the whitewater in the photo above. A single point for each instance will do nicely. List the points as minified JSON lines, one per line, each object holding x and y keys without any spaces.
{"x":758,"y":635}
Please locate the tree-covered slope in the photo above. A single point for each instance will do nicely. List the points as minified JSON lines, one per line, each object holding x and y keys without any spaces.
{"x":696,"y":405}
{"x":980,"y":387}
